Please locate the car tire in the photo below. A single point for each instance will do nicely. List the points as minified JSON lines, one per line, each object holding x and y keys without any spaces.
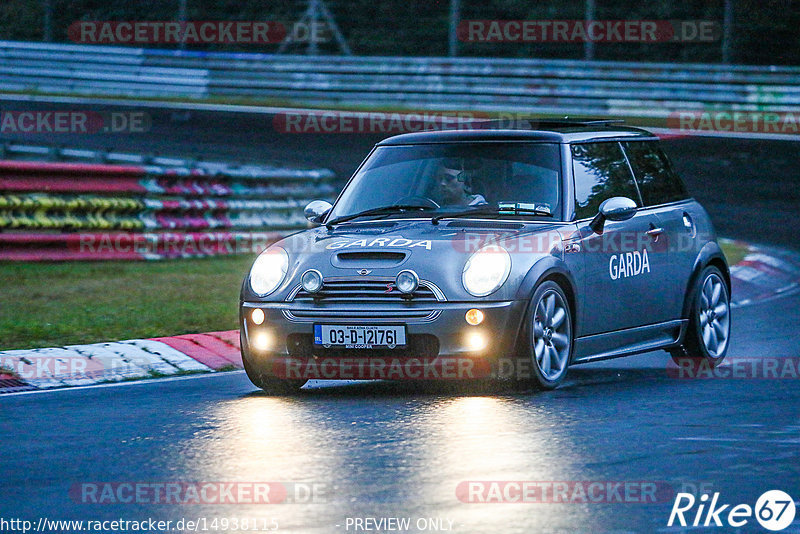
{"x":708,"y":333}
{"x":549,"y":337}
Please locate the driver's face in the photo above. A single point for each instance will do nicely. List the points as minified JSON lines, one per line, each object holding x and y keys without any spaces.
{"x":451,"y":187}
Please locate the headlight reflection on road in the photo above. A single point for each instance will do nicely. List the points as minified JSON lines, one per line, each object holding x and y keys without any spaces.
{"x":385,"y":455}
{"x":494,"y":439}
{"x":266,"y":440}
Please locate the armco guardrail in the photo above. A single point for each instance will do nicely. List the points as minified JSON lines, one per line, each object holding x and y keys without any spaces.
{"x":68,"y":210}
{"x":544,"y":86}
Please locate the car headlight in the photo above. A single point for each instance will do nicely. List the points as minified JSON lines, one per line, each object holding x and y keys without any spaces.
{"x":486,"y":270}
{"x":268,"y":271}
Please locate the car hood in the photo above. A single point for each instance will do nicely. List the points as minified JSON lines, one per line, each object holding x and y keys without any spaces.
{"x":437,"y":253}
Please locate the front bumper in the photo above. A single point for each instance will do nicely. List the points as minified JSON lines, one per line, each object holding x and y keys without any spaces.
{"x":440,"y":342}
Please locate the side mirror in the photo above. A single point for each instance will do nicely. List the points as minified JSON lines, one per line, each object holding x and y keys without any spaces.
{"x":316,"y":210}
{"x":613,"y":209}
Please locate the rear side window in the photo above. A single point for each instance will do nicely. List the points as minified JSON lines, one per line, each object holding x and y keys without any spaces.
{"x":601,"y":172}
{"x":658,"y":183}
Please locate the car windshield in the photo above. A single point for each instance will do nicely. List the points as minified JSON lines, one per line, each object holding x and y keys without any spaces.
{"x":443,"y":178}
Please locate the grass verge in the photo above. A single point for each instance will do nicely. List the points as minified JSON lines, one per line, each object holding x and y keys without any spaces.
{"x":47,"y":305}
{"x":734,"y":251}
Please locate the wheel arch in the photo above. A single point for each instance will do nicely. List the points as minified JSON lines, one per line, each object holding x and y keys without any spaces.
{"x":550,"y":269}
{"x":710,"y":254}
{"x":566,"y":286}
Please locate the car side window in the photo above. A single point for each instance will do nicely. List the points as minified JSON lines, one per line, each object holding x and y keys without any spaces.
{"x":658,"y":183}
{"x":601,"y":172}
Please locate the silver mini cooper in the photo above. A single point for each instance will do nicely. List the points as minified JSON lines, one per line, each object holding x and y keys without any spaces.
{"x":491,"y":252}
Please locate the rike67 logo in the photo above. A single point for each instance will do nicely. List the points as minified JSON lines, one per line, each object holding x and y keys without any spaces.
{"x":774,"y":510}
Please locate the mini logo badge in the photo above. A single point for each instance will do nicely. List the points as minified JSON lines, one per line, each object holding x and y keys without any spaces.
{"x":364,"y":272}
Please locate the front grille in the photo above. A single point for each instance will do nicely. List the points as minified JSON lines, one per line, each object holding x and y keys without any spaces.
{"x":419,"y":346}
{"x":366,"y":291}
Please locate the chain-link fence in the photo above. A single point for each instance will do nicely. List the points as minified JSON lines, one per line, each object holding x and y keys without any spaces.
{"x":704,"y":31}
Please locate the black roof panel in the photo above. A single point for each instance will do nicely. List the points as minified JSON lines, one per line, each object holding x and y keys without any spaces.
{"x":544,"y":130}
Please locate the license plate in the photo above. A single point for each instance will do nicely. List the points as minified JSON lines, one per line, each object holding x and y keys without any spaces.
{"x":359,"y":336}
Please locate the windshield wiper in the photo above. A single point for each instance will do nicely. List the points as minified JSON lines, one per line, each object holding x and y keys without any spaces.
{"x":502,"y":209}
{"x":383,"y":210}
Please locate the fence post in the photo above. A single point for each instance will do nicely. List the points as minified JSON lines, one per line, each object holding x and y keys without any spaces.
{"x":182,"y":21}
{"x":48,"y":21}
{"x":455,"y":13}
{"x":727,"y":31}
{"x":588,"y":44}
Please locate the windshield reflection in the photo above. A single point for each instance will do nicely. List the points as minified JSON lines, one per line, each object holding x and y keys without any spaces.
{"x":450,"y":177}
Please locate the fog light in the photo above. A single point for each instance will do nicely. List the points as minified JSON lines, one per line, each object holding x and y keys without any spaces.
{"x":311,"y":281}
{"x":261,"y":341}
{"x":474,"y":317}
{"x":476,"y":341}
{"x":407,"y":281}
{"x":257,"y":316}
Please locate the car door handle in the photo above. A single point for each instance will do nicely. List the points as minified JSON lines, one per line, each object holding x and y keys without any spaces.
{"x":655,"y":232}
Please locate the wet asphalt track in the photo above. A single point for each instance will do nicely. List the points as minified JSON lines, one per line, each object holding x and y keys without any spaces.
{"x":400,"y":450}
{"x":385,"y":449}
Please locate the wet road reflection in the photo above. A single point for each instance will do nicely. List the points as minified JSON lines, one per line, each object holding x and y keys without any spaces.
{"x":388,"y":450}
{"x":401,"y":450}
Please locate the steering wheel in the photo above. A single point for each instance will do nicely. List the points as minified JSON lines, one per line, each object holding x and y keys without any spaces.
{"x":424,"y":202}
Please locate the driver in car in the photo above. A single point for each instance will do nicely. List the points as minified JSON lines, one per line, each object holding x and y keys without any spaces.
{"x":455,"y":188}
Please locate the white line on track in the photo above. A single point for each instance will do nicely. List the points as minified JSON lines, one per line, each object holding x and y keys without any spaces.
{"x":121,"y":384}
{"x":789,"y":292}
{"x":744,"y":440}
